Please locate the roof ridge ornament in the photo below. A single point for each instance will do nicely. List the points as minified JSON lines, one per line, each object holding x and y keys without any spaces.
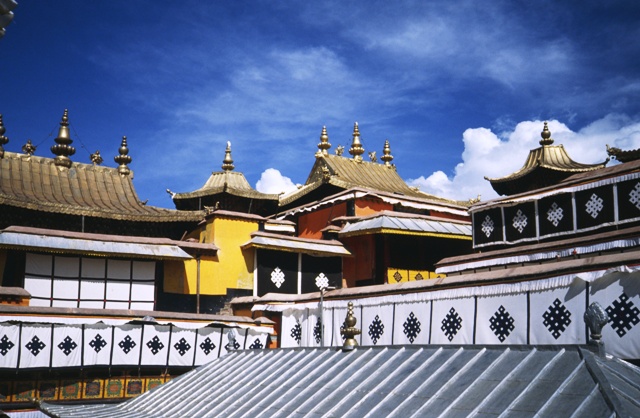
{"x":96,"y":158}
{"x":3,"y":139}
{"x":350,"y":331}
{"x":63,"y":149}
{"x":356,"y":146}
{"x":596,"y":318}
{"x":386,"y":153}
{"x":227,"y":163}
{"x":546,"y":136}
{"x":29,"y":148}
{"x":123,"y":159}
{"x":324,"y":144}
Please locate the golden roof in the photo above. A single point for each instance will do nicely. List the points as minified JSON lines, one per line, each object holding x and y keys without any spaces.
{"x":226,"y":181}
{"x":347,"y":173}
{"x":38,"y":183}
{"x":545,"y":166}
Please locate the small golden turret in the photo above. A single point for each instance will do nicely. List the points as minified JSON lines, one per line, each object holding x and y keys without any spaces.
{"x":3,"y":139}
{"x":227,"y":163}
{"x":63,"y":149}
{"x":356,"y":146}
{"x":324,"y":144}
{"x":546,"y":136}
{"x":386,"y":153}
{"x":123,"y":159}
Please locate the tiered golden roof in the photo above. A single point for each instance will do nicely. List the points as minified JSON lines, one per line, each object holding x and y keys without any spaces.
{"x":545,"y":166}
{"x":344,"y":173}
{"x":221,"y":182}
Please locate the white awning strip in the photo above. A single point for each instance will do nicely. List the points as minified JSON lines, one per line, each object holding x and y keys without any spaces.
{"x":46,"y":242}
{"x":471,"y":291}
{"x":297,"y":246}
{"x":526,"y":258}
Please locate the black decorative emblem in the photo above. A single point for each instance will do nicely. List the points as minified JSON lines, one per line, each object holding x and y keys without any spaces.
{"x":411,"y":327}
{"x":182,"y":346}
{"x":419,"y":276}
{"x":317,"y":331}
{"x":232,"y":345}
{"x":451,"y":324}
{"x":5,"y":345}
{"x":127,"y":344}
{"x":296,"y":332}
{"x":98,"y":343}
{"x":557,"y":318}
{"x":376,"y":329}
{"x":207,"y":346}
{"x":397,"y":277}
{"x":502,"y":323}
{"x":35,"y":345}
{"x":155,"y":345}
{"x":623,"y":315}
{"x":256,"y":345}
{"x":67,"y":345}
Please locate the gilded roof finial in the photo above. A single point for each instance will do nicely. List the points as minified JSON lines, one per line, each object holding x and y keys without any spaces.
{"x":96,"y":158}
{"x":324,"y":144}
{"x":123,"y":159}
{"x":350,"y":331}
{"x":386,"y":153}
{"x":3,"y":139}
{"x":356,"y":146}
{"x":227,"y":163}
{"x":546,"y":136}
{"x":28,"y":148}
{"x":63,"y":148}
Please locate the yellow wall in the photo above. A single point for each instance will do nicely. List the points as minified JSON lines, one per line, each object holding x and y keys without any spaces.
{"x":231,"y":268}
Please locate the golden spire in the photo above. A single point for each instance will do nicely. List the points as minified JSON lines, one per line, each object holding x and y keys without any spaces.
{"x":356,"y":146}
{"x":350,"y":331}
{"x":123,"y":159}
{"x":3,"y":139}
{"x":546,"y":136}
{"x":63,"y":148}
{"x":386,"y":153}
{"x":324,"y":144}
{"x":227,"y":163}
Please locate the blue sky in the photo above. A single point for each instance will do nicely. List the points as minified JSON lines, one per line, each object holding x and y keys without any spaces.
{"x":460,"y":89}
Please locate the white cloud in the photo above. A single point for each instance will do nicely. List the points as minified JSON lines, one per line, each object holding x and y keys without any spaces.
{"x":486,"y":154}
{"x":273,"y":182}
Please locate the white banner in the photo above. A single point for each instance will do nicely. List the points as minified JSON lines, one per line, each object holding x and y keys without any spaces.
{"x":67,"y":350}
{"x":35,"y":350}
{"x":9,"y":345}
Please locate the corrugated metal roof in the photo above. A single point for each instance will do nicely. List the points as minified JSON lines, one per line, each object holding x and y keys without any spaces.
{"x":405,"y":224}
{"x":308,"y":246}
{"x":391,"y":382}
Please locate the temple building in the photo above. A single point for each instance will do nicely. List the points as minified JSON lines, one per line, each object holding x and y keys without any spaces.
{"x":395,"y":233}
{"x":540,"y":258}
{"x":99,"y":293}
{"x":545,"y":166}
